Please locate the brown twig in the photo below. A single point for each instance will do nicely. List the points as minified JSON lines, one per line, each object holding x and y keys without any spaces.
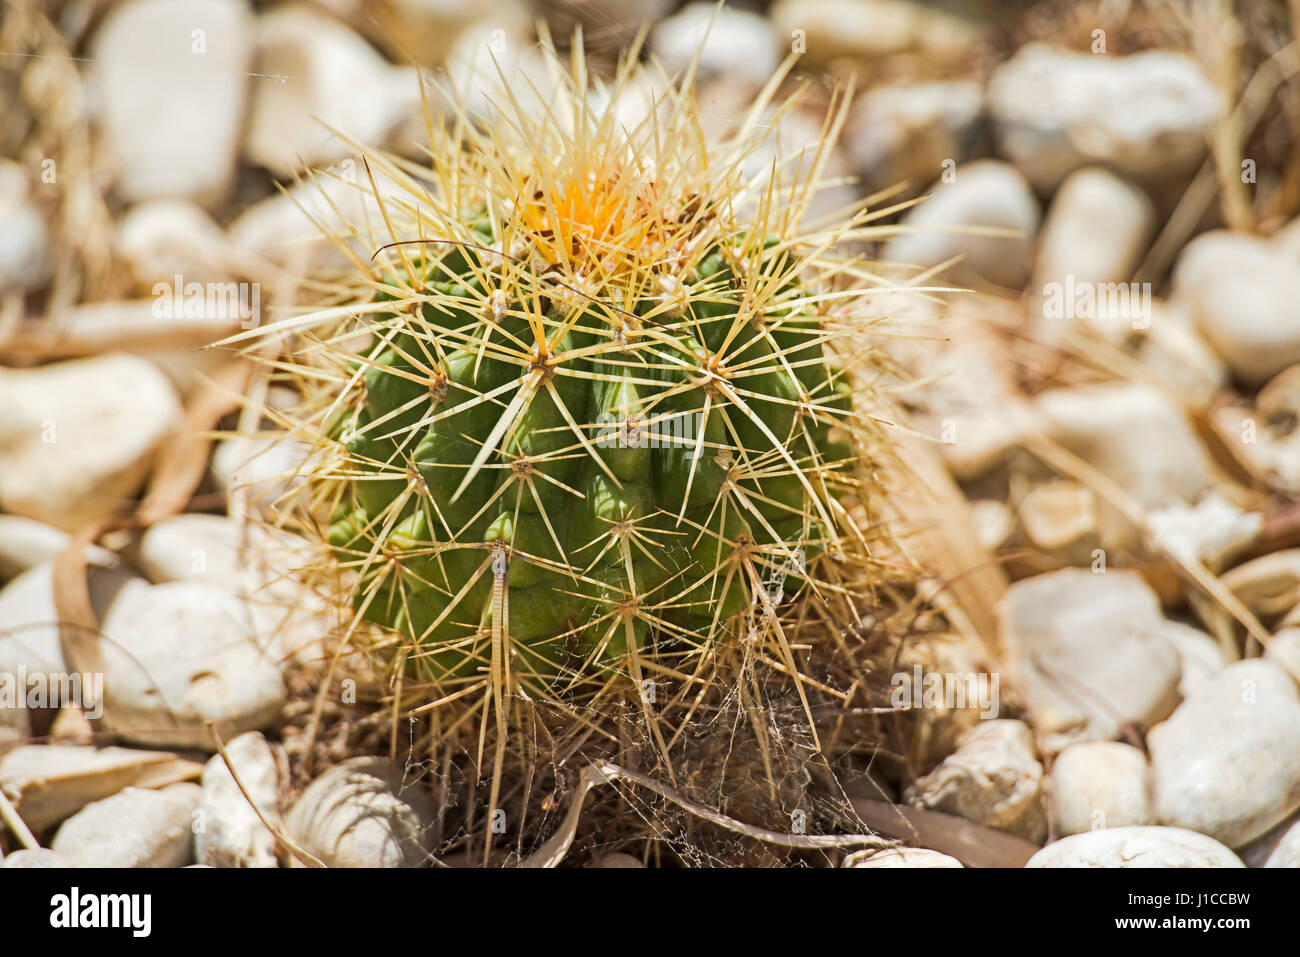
{"x":557,"y":845}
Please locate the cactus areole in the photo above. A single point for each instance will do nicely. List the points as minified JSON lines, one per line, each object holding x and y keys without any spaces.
{"x":600,"y":418}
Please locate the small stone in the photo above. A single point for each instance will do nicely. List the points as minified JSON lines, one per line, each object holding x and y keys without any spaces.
{"x":1280,"y":847}
{"x":909,"y":131}
{"x":232,"y":834}
{"x":160,"y":691}
{"x":1264,"y":436}
{"x":1269,"y":585}
{"x":319,"y":83}
{"x":1136,"y":436}
{"x":1288,"y":238}
{"x":1213,"y":531}
{"x":1089,"y":653}
{"x":258,"y":563}
{"x":217,"y":550}
{"x":362,"y":814}
{"x":34,"y":857}
{"x":994,"y":523}
{"x":1146,"y":116}
{"x":1093,"y":238}
{"x":993,"y":779}
{"x":1199,"y":656}
{"x":172,"y":78}
{"x":25,"y":543}
{"x":1284,"y":649}
{"x":29,"y":632}
{"x":871,"y":29}
{"x":165,"y":238}
{"x":24,"y":240}
{"x":1244,"y":293}
{"x":1136,"y":847}
{"x":737,"y":44}
{"x":900,"y":857}
{"x":193,"y":547}
{"x":1227,"y":762}
{"x":1176,"y":355}
{"x":972,"y":402}
{"x":77,"y":438}
{"x":1058,"y":514}
{"x":1099,"y":784}
{"x":134,"y":828}
{"x":985,"y":194}
{"x":1097,"y":228}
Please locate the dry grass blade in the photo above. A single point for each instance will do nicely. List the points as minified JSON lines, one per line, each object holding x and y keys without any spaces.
{"x":78,"y":625}
{"x":16,"y":825}
{"x":288,"y":843}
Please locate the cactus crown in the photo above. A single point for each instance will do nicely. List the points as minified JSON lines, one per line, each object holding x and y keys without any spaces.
{"x":587,"y":412}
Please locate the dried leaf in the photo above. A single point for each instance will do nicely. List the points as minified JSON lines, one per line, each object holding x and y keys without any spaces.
{"x":972,"y":844}
{"x":183,"y":460}
{"x":936,"y":527}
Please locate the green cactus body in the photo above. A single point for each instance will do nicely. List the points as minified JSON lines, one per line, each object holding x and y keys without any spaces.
{"x":581,"y":476}
{"x":601,"y":420}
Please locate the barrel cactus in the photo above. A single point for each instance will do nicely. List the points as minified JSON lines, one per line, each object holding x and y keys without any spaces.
{"x":590,"y":410}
